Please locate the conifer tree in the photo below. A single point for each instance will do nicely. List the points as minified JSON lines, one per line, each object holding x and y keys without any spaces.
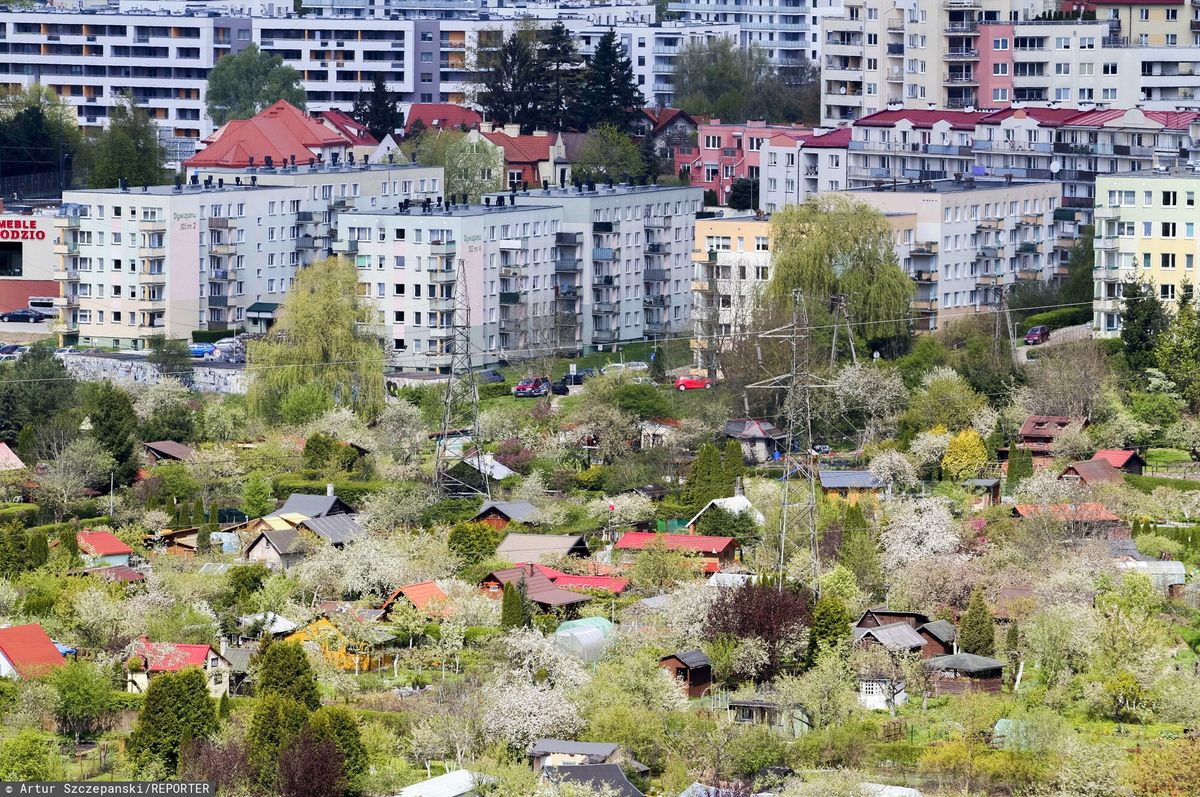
{"x":1020,"y":467}
{"x":283,"y":669}
{"x":610,"y":92}
{"x":830,"y":625}
{"x":976,"y":633}
{"x":110,"y":411}
{"x":732,"y":463}
{"x":706,"y":478}
{"x":176,"y":710}
{"x":562,"y":67}
{"x":512,"y":614}
{"x":859,"y":552}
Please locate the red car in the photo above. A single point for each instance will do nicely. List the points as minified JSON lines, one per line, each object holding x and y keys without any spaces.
{"x":693,"y":382}
{"x":533,"y":387}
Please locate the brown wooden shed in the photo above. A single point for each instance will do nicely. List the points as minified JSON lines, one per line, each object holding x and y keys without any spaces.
{"x":692,"y":668}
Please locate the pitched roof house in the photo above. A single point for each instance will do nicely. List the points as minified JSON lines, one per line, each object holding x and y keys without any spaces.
{"x":539,"y":589}
{"x":441,"y":116}
{"x":159,"y":657}
{"x":167,"y":451}
{"x":1092,"y":471}
{"x":691,"y":668}
{"x":311,"y":506}
{"x":601,"y":776}
{"x":26,"y":651}
{"x":280,"y":132}
{"x":282,"y":549}
{"x":538,"y":547}
{"x":1126,"y":461}
{"x":8,"y":459}
{"x":360,"y":139}
{"x":1038,"y":432}
{"x":103,"y":547}
{"x":529,"y":158}
{"x":419,"y":595}
{"x":760,"y":439}
{"x":499,"y":514}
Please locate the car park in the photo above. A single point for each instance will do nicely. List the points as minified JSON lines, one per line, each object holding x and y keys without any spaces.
{"x":1037,"y":334}
{"x":579,"y":376}
{"x":693,"y":382}
{"x":533,"y":387}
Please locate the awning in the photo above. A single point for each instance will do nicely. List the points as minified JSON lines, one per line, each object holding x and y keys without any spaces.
{"x":262,"y":310}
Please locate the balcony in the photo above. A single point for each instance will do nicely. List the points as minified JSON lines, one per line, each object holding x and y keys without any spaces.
{"x":656,"y":275}
{"x":962,"y":29}
{"x":568,"y":265}
{"x":925,"y":305}
{"x":512,"y":324}
{"x":990,"y":224}
{"x":153,"y":251}
{"x":1031,"y":220}
{"x":1105,"y":243}
{"x":218,"y":223}
{"x":510,"y":297}
{"x":656,"y":328}
{"x":339,"y":203}
{"x":306,"y":242}
{"x":604,"y":253}
{"x":305,"y":217}
{"x":568,"y":238}
{"x":69,"y":248}
{"x":1029,"y":247}
{"x":1100,"y":214}
{"x":65,"y":275}
{"x":446,"y":331}
{"x":222,"y":249}
{"x":604,"y":308}
{"x":605,"y":226}
{"x":344,"y":247}
{"x":700,"y":286}
{"x":1066,"y":214}
{"x":151,"y":277}
{"x":603,"y":279}
{"x":443,"y":248}
{"x":659,"y":222}
{"x":152,"y":225}
{"x":443,"y":275}
{"x":69,"y":222}
{"x":603,"y":336}
{"x":924,"y":276}
{"x":960,"y":80}
{"x":1064,"y":242}
{"x":66,"y":301}
{"x":220,"y":275}
{"x":442,"y":304}
{"x":213,"y":301}
{"x":924,"y":249}
{"x":989,"y":252}
{"x":654,"y":301}
{"x":1029,"y":275}
{"x":657,"y":248}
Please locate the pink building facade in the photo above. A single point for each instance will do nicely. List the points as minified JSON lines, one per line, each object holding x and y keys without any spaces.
{"x":996,"y":67}
{"x":726,"y":152}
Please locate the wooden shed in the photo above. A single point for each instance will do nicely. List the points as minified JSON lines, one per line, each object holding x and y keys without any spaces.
{"x":691,"y":668}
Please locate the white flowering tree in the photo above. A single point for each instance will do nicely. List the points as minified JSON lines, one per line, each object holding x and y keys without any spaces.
{"x":166,"y":394}
{"x":893,"y":469}
{"x":622,"y":510}
{"x":917,"y":528}
{"x":928,"y":447}
{"x":871,"y":394}
{"x":518,"y":712}
{"x":398,"y":506}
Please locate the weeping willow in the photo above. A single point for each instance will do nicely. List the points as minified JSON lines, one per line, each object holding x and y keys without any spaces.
{"x":835,"y":245}
{"x":320,"y":340}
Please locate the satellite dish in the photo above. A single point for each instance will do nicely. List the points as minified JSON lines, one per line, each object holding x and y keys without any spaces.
{"x":1055,"y":167}
{"x":842,"y":90}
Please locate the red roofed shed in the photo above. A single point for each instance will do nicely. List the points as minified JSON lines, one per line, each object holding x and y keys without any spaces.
{"x":27,"y":651}
{"x":715,"y":551}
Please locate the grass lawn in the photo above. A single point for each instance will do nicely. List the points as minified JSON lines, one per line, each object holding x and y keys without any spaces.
{"x":1166,"y":456}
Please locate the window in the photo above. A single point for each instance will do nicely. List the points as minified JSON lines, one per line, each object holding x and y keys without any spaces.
{"x":1166,"y":260}
{"x":426,"y":77}
{"x":1189,"y":262}
{"x":1062,"y":94}
{"x":1086,"y":95}
{"x":1062,"y":43}
{"x":999,"y":95}
{"x":1189,"y":199}
{"x":1165,"y":292}
{"x":1167,"y":229}
{"x":999,"y":44}
{"x":1189,"y":230}
{"x":1062,"y":68}
{"x":760,"y":243}
{"x":1087,"y":69}
{"x":1172,"y":14}
{"x":1109,"y":69}
{"x":1172,"y":40}
{"x":1000,"y":69}
{"x":1108,"y":94}
{"x":1087,"y":42}
{"x":712,"y":142}
{"x":1143,"y":14}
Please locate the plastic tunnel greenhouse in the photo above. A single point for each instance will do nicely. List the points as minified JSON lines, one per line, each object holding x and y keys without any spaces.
{"x":585,"y":638}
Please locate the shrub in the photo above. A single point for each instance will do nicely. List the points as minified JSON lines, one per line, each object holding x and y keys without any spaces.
{"x":1158,"y":547}
{"x":1056,"y":319}
{"x":213,"y":335}
{"x":494,"y":390}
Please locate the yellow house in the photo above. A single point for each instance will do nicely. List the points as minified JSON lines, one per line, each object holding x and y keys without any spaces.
{"x":339,"y":650}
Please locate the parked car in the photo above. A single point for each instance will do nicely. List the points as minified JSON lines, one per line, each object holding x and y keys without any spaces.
{"x":534,"y":387}
{"x":562,"y":387}
{"x":201,"y":349}
{"x":491,"y":376}
{"x":693,"y":382}
{"x":11,"y":348}
{"x":644,"y":380}
{"x":579,"y":375}
{"x":26,"y":316}
{"x":65,"y":350}
{"x":1036,"y":335}
{"x":632,"y":365}
{"x":8,"y":358}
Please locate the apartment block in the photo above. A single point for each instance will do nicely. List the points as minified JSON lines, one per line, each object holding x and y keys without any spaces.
{"x":624,"y":257}
{"x":725,"y":152}
{"x":968,"y":236}
{"x":408,"y":264}
{"x":217,"y":252}
{"x":896,"y":146}
{"x":796,"y":169}
{"x":987,"y":55}
{"x":786,"y":30}
{"x":732,"y":268}
{"x":26,"y":256}
{"x":163,"y":59}
{"x":1145,"y":231}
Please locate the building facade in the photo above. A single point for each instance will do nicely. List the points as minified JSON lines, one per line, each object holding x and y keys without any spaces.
{"x":1145,"y":232}
{"x":26,"y":257}
{"x":732,"y":256}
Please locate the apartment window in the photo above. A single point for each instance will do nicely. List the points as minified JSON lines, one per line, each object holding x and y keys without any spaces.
{"x":872,"y":38}
{"x":1189,"y":199}
{"x":1147,"y":229}
{"x":427,"y":58}
{"x":760,"y":243}
{"x":1172,"y":14}
{"x":1166,"y":293}
{"x":1171,"y":40}
{"x":1108,"y":94}
{"x":1000,"y":69}
{"x":1062,"y":68}
{"x":712,"y":142}
{"x":1086,"y":95}
{"x":1167,"y":260}
{"x":999,"y":95}
{"x":1189,"y":230}
{"x":1167,"y":228}
{"x":1087,"y":42}
{"x":1000,"y":44}
{"x":872,"y":88}
{"x":1168,"y":199}
{"x":1143,"y":14}
{"x":1109,"y":69}
{"x":1062,"y":43}
{"x":1189,"y":262}
{"x":1087,"y":69}
{"x":426,"y":77}
{"x":1062,"y":94}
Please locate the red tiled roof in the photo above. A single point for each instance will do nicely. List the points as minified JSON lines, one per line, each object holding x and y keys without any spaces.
{"x":661,"y":117}
{"x":522,"y":149}
{"x":609,"y":583}
{"x":29,"y":650}
{"x":101,"y":543}
{"x":1047,"y":117}
{"x":1116,"y":457}
{"x":281,"y":131}
{"x":538,"y":586}
{"x":418,"y":594}
{"x":1089,"y":512}
{"x":350,"y":128}
{"x":702,"y":543}
{"x":959,"y":120}
{"x":835,"y":139}
{"x":171,"y":656}
{"x":441,"y":116}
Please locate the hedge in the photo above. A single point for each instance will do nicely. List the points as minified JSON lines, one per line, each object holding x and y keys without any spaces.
{"x":1147,"y":483}
{"x":353,"y":493}
{"x":213,"y":335}
{"x":493,"y":390}
{"x":1057,"y":319}
{"x":1187,"y":536}
{"x":20,"y":512}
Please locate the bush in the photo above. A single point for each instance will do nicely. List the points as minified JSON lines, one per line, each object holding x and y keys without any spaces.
{"x":52,"y":529}
{"x":494,"y":390}
{"x":1158,"y":547}
{"x":1056,"y":319}
{"x":1147,"y":483}
{"x":17,"y":512}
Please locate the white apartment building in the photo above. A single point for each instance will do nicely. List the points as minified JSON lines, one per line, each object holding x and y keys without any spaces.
{"x":625,"y":257}
{"x":732,"y":260}
{"x":793,"y":170}
{"x":787,"y":30}
{"x":219,"y":252}
{"x":163,"y":59}
{"x":408,"y":263}
{"x":971,"y":234}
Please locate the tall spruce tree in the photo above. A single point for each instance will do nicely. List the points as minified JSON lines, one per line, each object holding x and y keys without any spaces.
{"x":177,"y":709}
{"x":378,"y":110}
{"x":733,"y":466}
{"x":976,"y":633}
{"x":510,"y":83}
{"x":110,"y":411}
{"x":1020,"y":467}
{"x":859,"y":553}
{"x":512,"y":613}
{"x":1143,"y":319}
{"x":610,"y":92}
{"x":706,"y":477}
{"x":283,"y":669}
{"x":562,"y":70}
{"x":830,"y":626}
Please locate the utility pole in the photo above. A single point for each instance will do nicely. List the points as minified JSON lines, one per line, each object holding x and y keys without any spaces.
{"x":460,"y":408}
{"x":798,"y":502}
